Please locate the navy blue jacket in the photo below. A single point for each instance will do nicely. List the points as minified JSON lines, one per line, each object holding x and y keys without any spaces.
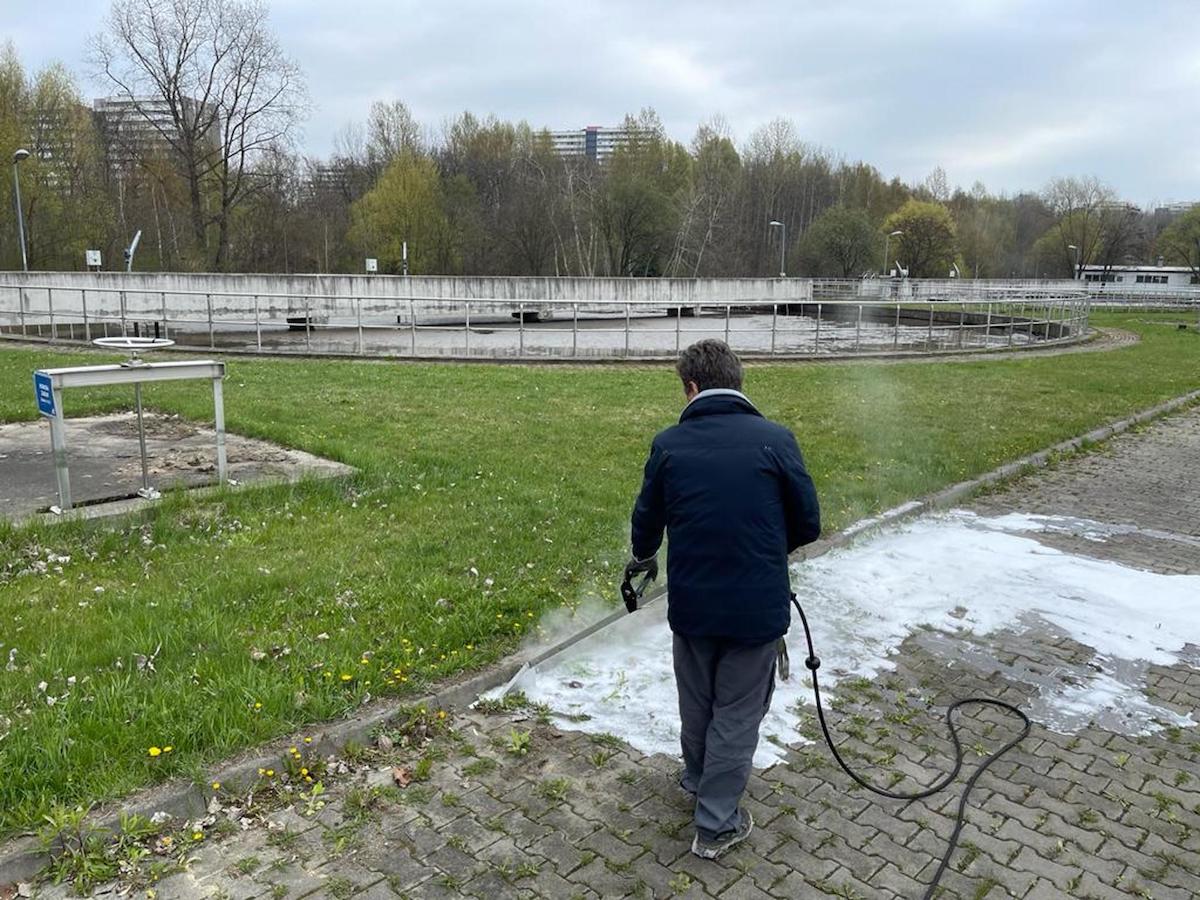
{"x":731,"y":490}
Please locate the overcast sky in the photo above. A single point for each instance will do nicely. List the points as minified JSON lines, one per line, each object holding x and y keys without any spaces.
{"x":1008,"y":92}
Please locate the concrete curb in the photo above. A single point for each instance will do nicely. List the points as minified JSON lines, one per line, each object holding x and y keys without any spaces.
{"x":22,"y":859}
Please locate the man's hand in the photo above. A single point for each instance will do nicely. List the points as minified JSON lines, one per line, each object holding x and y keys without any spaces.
{"x":633,"y":569}
{"x":636,"y":567}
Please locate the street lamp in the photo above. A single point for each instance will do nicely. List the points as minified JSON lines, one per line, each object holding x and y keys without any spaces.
{"x":17,"y":157}
{"x":1076,"y":249}
{"x":887,"y":237}
{"x":782,"y":245}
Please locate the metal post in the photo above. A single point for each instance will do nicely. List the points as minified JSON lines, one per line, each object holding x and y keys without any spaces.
{"x":412,"y":324}
{"x":574,"y":329}
{"x":137,"y":396}
{"x":467,"y":331}
{"x":163,"y":303}
{"x":929,"y":335}
{"x":627,"y":329}
{"x":21,"y":308}
{"x":20,"y":213}
{"x":774,"y":319}
{"x":678,"y":317}
{"x":50,"y":308}
{"x":987,"y":333}
{"x":520,"y":331}
{"x":219,"y":421}
{"x":257,"y":326}
{"x":726,"y":323}
{"x":358,"y":317}
{"x":896,"y":330}
{"x":123,"y":325}
{"x":58,"y":443}
{"x":962,"y":323}
{"x":858,"y":329}
{"x":307,"y":326}
{"x":212,"y":341}
{"x":817,"y":341}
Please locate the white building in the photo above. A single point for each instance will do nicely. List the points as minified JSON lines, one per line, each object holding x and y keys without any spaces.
{"x":1133,"y":276}
{"x":596,"y":142}
{"x":142,"y":128}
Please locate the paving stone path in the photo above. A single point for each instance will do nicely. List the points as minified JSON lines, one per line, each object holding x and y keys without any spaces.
{"x":501,"y":803}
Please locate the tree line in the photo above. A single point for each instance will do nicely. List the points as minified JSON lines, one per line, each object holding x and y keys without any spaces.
{"x":221,"y":185}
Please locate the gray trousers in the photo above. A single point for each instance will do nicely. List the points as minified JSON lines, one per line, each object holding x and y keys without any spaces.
{"x":724,"y":691}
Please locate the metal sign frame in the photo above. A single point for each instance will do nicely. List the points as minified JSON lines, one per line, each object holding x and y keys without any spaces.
{"x":59,"y":380}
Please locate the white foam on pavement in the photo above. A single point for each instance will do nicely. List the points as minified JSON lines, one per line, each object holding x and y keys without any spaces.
{"x":952,"y":571}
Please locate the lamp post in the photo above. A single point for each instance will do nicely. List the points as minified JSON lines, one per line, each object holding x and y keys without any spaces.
{"x":887,"y":237}
{"x":17,"y":157}
{"x":1076,"y":249}
{"x":782,"y":246}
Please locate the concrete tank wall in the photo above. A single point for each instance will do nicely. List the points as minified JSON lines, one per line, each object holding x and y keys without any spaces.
{"x":188,"y":296}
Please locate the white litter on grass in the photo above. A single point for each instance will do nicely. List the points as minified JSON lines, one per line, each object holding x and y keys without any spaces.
{"x":956,"y":571}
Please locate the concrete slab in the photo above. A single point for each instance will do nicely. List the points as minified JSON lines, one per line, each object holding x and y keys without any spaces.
{"x":105,"y":467}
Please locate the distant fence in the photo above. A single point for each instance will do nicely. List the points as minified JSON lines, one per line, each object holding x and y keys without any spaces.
{"x":643,"y":318}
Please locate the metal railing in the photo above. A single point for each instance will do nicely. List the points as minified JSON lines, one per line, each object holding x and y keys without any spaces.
{"x":915,"y":317}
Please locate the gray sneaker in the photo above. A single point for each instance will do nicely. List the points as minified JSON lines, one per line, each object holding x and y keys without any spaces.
{"x":716,"y":847}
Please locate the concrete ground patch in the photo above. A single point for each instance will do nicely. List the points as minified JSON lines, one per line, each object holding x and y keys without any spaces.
{"x":105,"y":466}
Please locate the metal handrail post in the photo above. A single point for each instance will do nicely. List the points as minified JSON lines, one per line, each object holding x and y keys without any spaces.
{"x":678,"y":334}
{"x":896,"y":330}
{"x":163,"y":303}
{"x":50,"y":309}
{"x":627,"y":329}
{"x":727,"y":308}
{"x":123,"y":323}
{"x":858,"y":329}
{"x":817,"y":340}
{"x":962,"y":323}
{"x":358,"y":319}
{"x":87,"y":326}
{"x":467,"y":329}
{"x":257,"y":326}
{"x":21,"y":309}
{"x":307,"y":325}
{"x":929,"y":334}
{"x":521,"y":332}
{"x":774,"y":322}
{"x":574,"y":329}
{"x":412,"y":324}
{"x":987,"y":333}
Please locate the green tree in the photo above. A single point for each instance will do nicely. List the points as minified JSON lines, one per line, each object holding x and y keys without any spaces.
{"x":929,"y":243}
{"x":1180,"y":242}
{"x":841,"y":243}
{"x":405,"y":205}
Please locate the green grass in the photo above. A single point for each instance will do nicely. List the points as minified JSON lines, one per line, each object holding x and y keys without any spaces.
{"x":501,"y":490}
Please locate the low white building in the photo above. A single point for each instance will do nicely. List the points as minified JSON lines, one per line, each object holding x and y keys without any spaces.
{"x":1149,"y":276}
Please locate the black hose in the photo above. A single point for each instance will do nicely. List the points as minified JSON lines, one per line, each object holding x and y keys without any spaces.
{"x":813,"y":663}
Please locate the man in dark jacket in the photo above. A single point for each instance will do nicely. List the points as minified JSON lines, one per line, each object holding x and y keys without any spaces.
{"x":731,"y":490}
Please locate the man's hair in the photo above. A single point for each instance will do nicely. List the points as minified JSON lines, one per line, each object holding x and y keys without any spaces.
{"x":711,"y":364}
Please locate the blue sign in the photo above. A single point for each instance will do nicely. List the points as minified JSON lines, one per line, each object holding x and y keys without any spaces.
{"x":45,"y":393}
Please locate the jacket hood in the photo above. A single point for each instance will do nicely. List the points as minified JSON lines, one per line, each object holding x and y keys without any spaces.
{"x":719,"y":402}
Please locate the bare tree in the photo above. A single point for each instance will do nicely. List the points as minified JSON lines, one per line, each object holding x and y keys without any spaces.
{"x":210,"y":79}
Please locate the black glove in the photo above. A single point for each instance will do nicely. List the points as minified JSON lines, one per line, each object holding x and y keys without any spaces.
{"x":636,"y":567}
{"x":630,"y":594}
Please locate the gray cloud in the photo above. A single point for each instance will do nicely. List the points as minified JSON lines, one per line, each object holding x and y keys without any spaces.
{"x":1008,"y":92}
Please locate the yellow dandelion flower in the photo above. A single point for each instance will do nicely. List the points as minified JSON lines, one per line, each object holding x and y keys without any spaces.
{"x":308,"y":740}
{"x":292,"y":750}
{"x":262,"y":771}
{"x":304,"y":771}
{"x":155,"y":751}
{"x":258,"y":706}
{"x":346,"y":677}
{"x":308,"y":780}
{"x":270,"y":773}
{"x":197,"y":835}
{"x":216,"y":785}
{"x":168,"y":748}
{"x":441,"y":714}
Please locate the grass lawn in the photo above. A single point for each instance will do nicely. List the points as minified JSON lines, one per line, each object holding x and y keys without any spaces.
{"x":486,"y":494}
